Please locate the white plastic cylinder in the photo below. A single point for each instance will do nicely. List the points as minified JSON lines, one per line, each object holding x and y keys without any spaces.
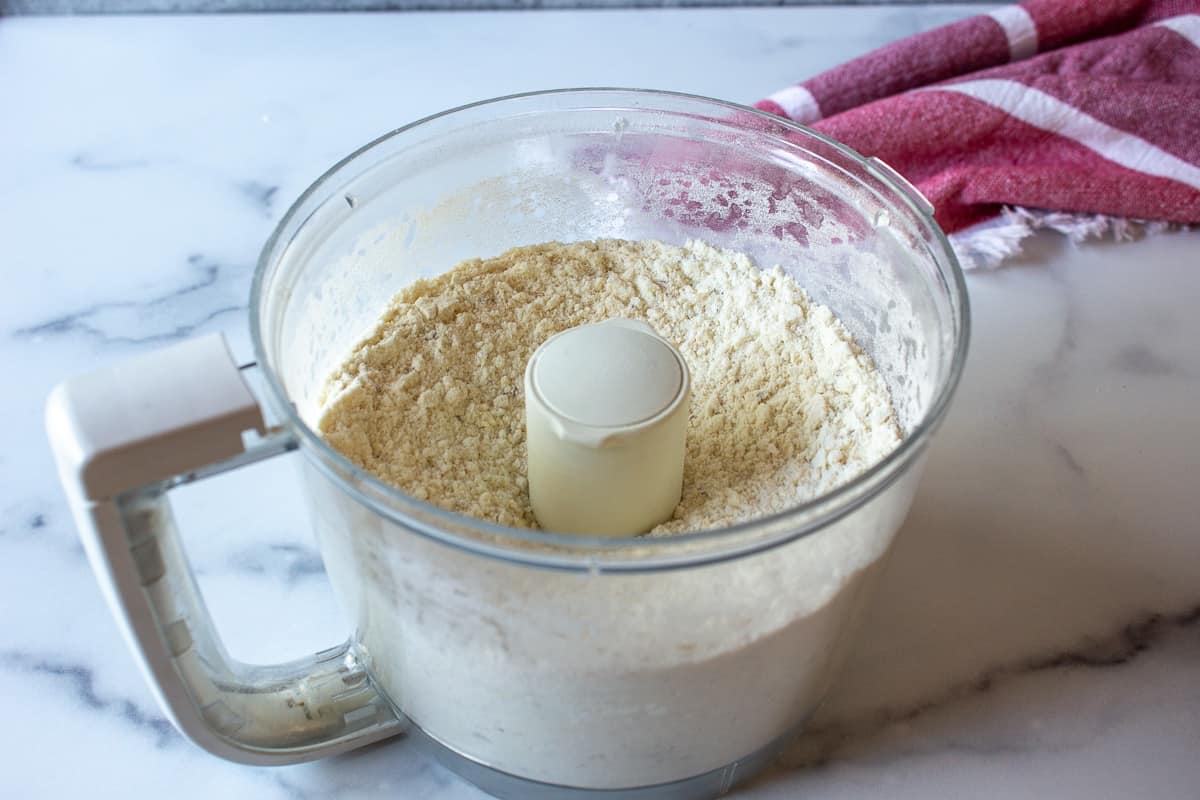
{"x":606,"y":411}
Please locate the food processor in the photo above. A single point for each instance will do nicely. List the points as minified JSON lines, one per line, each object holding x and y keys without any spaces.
{"x":535,"y":663}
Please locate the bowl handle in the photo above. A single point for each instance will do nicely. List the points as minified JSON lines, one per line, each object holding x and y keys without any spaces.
{"x":123,"y":437}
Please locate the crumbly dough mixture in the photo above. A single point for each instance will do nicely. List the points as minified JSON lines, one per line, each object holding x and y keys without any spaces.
{"x":785,"y":406}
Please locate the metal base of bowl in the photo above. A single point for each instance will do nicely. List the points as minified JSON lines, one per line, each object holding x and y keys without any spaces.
{"x":506,"y":786}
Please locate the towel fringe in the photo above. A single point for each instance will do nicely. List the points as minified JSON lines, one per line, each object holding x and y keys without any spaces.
{"x":990,"y":243}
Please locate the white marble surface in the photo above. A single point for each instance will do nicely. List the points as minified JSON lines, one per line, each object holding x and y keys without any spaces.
{"x":1037,"y":634}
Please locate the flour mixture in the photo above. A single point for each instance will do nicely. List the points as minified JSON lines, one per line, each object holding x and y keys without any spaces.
{"x":785,"y":406}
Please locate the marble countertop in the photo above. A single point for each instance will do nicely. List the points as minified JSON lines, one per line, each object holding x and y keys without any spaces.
{"x":1037,"y":633}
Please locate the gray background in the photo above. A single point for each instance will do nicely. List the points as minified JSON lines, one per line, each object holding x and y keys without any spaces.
{"x":156,"y":6}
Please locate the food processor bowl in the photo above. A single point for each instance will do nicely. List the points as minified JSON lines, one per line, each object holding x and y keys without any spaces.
{"x":537,"y":663}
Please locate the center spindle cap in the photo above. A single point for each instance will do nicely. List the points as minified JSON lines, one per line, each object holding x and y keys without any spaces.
{"x":606,"y":410}
{"x":610,"y":375}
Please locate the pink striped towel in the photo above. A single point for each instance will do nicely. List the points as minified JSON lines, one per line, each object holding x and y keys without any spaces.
{"x":1089,"y":107}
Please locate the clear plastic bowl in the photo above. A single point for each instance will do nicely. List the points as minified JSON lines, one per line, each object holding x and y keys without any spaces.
{"x":669,"y":667}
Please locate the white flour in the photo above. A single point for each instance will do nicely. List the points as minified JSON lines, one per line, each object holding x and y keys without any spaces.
{"x":607,"y":681}
{"x":784,"y":405}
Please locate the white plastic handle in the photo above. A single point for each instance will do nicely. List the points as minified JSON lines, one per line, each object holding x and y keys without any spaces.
{"x":122,"y":437}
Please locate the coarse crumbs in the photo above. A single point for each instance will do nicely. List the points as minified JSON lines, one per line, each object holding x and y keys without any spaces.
{"x":785,"y":405}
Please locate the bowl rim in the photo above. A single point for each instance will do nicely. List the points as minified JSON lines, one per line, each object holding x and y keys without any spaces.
{"x":571,"y":552}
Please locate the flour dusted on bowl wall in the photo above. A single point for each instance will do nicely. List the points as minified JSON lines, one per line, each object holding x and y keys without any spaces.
{"x":785,"y":405}
{"x":568,"y":679}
